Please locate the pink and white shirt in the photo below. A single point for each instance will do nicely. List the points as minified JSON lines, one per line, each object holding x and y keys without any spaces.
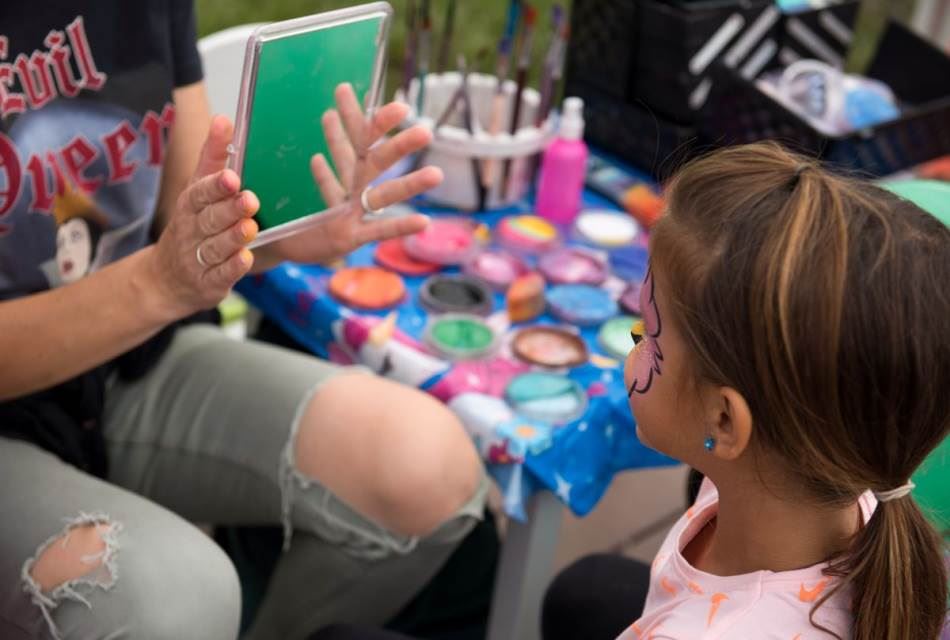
{"x":685,"y":603}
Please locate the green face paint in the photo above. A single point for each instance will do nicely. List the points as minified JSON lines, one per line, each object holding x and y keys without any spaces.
{"x":614,"y":336}
{"x":461,"y":336}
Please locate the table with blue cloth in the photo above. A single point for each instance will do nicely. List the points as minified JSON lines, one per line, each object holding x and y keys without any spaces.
{"x":576,"y":464}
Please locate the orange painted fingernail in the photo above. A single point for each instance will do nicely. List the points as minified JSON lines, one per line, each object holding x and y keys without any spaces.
{"x":248,"y":230}
{"x":246,"y":257}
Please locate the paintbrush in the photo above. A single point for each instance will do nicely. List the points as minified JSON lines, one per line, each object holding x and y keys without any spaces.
{"x":551,"y":72}
{"x":502,"y":64}
{"x":409,"y":63}
{"x":425,"y":41}
{"x":447,"y":29}
{"x":521,"y":77}
{"x":469,"y":117}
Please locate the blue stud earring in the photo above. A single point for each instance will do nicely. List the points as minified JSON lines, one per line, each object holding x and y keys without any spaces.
{"x":709,"y":443}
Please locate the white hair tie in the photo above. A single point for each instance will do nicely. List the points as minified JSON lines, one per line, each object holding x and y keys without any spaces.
{"x":894,"y":494}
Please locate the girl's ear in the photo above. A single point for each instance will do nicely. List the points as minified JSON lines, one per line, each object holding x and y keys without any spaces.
{"x":728,"y":422}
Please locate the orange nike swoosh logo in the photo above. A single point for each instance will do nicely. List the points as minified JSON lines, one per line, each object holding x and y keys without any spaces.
{"x":717,"y":599}
{"x":798,"y":636}
{"x":637,"y":630}
{"x":669,"y":587}
{"x":695,"y":588}
{"x":810,"y":595}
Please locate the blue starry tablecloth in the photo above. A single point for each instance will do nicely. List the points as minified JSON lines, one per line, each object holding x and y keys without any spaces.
{"x":576,"y":461}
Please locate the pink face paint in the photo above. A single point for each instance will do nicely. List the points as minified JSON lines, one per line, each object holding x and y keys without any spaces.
{"x":647,"y":361}
{"x":549,"y":347}
{"x":527,"y":234}
{"x":445,"y":241}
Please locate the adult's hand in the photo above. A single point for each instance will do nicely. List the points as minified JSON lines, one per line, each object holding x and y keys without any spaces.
{"x":352,"y":138}
{"x":203,"y":251}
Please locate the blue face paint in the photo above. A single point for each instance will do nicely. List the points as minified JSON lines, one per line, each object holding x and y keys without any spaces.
{"x":581,"y":305}
{"x":630,"y":263}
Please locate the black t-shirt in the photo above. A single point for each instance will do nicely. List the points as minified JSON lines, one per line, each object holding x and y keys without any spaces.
{"x":85,"y":110}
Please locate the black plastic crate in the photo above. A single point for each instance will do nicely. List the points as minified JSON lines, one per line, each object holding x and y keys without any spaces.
{"x":641,"y":50}
{"x":917,"y":72}
{"x":633,"y":133}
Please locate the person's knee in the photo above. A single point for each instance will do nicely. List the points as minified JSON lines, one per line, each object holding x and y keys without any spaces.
{"x":391,"y":451}
{"x":165,"y":591}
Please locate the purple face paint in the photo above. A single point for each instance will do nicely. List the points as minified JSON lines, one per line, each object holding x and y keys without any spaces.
{"x":647,"y":361}
{"x":572,"y":266}
{"x":497,"y":268}
{"x":630,"y":298}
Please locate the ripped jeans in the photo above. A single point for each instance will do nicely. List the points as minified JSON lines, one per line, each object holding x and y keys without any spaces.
{"x":205,"y":437}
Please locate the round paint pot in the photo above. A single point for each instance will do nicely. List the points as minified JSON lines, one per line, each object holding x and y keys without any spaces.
{"x":630,"y":298}
{"x":461,"y":336}
{"x":392,"y":255}
{"x":444,"y":293}
{"x":630,"y":263}
{"x":581,"y":304}
{"x":572,"y":266}
{"x":614,"y":336}
{"x":445,"y":241}
{"x":549,"y":347}
{"x":527,"y":234}
{"x":367,"y":288}
{"x":497,"y":268}
{"x":606,"y":228}
{"x":546,"y":397}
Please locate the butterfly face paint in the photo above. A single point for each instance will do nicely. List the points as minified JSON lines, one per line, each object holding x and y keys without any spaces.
{"x":646,"y":335}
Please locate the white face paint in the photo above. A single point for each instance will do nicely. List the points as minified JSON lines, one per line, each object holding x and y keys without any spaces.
{"x":73,"y":249}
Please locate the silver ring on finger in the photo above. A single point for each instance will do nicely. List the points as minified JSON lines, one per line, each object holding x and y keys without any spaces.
{"x":364,"y":200}
{"x":201,"y":261}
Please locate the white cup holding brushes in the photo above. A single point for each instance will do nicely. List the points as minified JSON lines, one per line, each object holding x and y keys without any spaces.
{"x":471,"y":161}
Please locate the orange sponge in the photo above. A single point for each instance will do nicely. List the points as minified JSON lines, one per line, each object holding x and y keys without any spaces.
{"x":643,"y":204}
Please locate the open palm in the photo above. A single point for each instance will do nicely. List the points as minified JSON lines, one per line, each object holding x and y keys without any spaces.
{"x":352,"y":139}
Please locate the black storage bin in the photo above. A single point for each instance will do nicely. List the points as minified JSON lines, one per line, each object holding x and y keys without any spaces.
{"x":918,"y":73}
{"x":640,"y":50}
{"x":634,"y":133}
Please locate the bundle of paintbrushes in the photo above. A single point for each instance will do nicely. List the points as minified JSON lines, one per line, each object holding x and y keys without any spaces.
{"x":488,"y":128}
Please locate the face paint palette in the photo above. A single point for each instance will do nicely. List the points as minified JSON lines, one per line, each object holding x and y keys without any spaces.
{"x":497,"y":268}
{"x":549,"y":347}
{"x":446,"y":241}
{"x":527,"y":234}
{"x":614,"y":336}
{"x":606,"y":228}
{"x":461,"y":336}
{"x":367,"y":288}
{"x":581,"y":304}
{"x":547,"y":397}
{"x":392,"y":254}
{"x":456,"y":294}
{"x":630,"y":298}
{"x":525,"y":298}
{"x":630,"y":263}
{"x":572,"y":266}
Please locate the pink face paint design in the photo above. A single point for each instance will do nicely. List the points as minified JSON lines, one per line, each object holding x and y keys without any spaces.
{"x":647,"y":362}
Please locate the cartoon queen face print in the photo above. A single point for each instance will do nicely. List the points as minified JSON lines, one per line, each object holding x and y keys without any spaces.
{"x":80,"y":226}
{"x":648,"y":355}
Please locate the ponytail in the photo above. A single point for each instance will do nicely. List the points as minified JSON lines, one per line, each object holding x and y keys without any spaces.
{"x":897,"y":573}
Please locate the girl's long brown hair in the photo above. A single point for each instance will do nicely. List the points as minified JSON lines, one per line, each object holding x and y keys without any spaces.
{"x":825,"y":301}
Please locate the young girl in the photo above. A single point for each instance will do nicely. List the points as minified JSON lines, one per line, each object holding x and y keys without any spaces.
{"x":796,"y":350}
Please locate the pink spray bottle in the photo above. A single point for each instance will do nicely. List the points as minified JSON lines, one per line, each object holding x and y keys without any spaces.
{"x":564,"y":167}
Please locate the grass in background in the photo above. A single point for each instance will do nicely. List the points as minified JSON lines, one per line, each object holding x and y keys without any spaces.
{"x":478,"y":26}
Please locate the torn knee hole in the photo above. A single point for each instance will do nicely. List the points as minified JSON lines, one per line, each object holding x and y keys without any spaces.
{"x":84,"y":550}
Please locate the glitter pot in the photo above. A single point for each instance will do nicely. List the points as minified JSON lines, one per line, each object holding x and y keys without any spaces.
{"x":392,"y":255}
{"x":572,"y":266}
{"x":606,"y":228}
{"x":549,"y":347}
{"x":461,"y":336}
{"x":527,"y":234}
{"x":367,"y":288}
{"x":630,"y":263}
{"x":546,"y":397}
{"x":581,"y":304}
{"x":444,"y":293}
{"x":614,"y":336}
{"x":446,"y":241}
{"x":497,"y":268}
